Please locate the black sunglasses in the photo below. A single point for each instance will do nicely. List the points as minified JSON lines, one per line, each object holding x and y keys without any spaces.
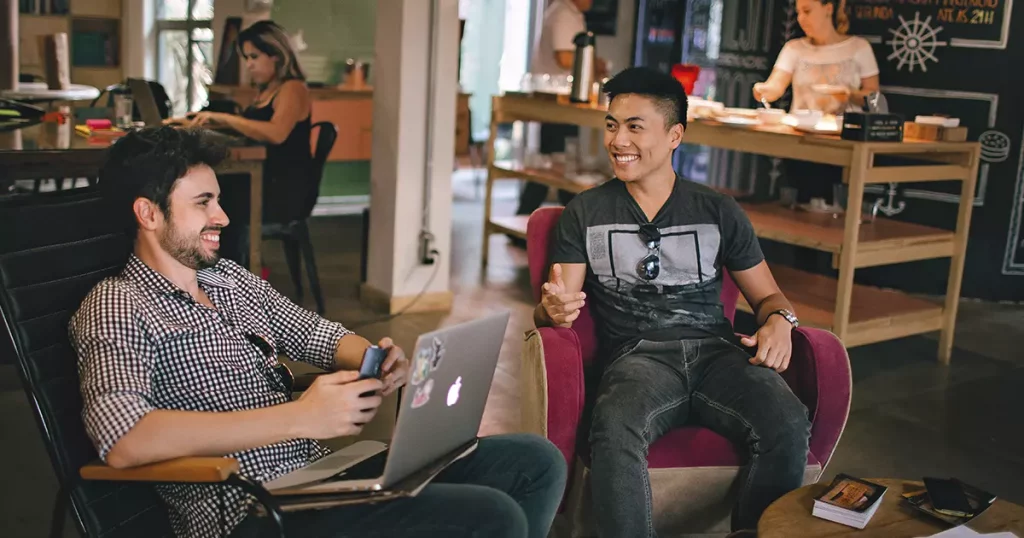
{"x":280,"y":377}
{"x":649,"y":267}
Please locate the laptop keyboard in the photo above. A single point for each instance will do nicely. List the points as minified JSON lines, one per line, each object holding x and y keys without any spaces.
{"x":372,"y":467}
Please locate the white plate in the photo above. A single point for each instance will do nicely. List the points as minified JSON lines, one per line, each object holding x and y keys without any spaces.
{"x":740,"y":112}
{"x":736,"y":120}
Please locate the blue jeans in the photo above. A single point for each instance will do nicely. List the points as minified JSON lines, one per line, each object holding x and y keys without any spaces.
{"x":658,"y":386}
{"x":510,"y":486}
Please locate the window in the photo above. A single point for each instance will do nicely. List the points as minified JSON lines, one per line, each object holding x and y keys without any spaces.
{"x":184,"y":51}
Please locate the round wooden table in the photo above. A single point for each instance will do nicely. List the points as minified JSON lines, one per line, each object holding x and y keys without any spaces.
{"x":791,"y":516}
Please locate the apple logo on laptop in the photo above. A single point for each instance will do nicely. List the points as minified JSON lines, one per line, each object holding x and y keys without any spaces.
{"x":453,"y":392}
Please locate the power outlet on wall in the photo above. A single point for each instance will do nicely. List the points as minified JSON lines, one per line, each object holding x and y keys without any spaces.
{"x":428,"y":254}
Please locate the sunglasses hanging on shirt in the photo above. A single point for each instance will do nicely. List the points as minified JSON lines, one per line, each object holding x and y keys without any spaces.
{"x":649,"y":267}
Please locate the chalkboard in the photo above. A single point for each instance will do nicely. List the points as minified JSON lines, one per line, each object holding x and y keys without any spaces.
{"x":914,"y":29}
{"x":603,"y":17}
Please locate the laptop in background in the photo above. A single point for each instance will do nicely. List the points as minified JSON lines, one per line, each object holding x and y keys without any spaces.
{"x":142,"y":95}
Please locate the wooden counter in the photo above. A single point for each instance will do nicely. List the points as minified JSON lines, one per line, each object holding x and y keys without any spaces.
{"x":856,"y":314}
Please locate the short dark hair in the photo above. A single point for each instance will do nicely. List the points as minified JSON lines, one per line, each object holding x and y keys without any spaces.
{"x":147,"y":163}
{"x":666,"y":92}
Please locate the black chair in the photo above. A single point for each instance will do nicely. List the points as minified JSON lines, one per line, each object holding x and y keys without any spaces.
{"x":46,"y":269}
{"x":295,"y":234}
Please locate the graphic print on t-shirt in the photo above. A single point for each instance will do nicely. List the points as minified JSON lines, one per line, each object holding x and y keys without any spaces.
{"x":703,"y":233}
{"x":688,"y":254}
{"x":682,"y":300}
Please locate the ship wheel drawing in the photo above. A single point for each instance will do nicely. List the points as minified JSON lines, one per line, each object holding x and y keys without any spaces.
{"x":914,"y":43}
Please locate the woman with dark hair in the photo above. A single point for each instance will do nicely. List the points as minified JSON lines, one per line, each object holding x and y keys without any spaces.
{"x":280,"y":117}
{"x":830,"y":71}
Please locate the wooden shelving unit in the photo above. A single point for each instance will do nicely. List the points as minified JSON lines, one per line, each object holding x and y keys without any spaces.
{"x":95,"y":38}
{"x":857,"y":314}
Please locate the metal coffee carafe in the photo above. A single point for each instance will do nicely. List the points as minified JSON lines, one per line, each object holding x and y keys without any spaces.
{"x":583,"y":67}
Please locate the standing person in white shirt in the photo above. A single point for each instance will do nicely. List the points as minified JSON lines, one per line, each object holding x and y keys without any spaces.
{"x":553,"y":55}
{"x":843,"y":67}
{"x":831,"y":72}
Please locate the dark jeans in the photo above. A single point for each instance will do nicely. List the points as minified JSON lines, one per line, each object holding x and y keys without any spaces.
{"x":658,"y":386}
{"x":510,"y":486}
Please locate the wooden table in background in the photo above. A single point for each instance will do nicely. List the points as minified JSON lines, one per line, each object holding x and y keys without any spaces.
{"x":790,"y":516}
{"x":857,"y":314}
{"x":52,"y":151}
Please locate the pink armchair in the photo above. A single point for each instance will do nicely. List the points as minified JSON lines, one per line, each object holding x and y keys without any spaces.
{"x":693,"y":470}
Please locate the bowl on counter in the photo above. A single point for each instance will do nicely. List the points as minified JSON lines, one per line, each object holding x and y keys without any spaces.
{"x":804,"y":119}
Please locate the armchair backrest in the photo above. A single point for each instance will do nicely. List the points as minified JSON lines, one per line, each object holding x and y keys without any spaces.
{"x":55,"y":247}
{"x":539,"y":232}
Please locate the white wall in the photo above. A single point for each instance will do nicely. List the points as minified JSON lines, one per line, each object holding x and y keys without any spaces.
{"x":401,"y":162}
{"x":139,"y":35}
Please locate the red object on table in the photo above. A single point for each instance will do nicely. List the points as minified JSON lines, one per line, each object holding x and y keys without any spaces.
{"x":55,"y":117}
{"x":99,"y":124}
{"x":687,"y":75}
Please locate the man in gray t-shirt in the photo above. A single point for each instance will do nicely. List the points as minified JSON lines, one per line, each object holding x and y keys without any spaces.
{"x":700,"y":232}
{"x":648,"y":250}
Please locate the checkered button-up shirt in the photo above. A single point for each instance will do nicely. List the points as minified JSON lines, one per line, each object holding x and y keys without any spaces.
{"x":145,"y":344}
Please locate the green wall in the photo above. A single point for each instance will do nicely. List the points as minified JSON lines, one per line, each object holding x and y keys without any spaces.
{"x":339,"y":30}
{"x":346,"y":179}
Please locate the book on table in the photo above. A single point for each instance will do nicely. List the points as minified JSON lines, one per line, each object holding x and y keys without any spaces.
{"x":849,"y":501}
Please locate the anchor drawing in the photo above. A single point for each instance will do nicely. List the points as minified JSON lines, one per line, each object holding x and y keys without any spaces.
{"x":889,"y":209}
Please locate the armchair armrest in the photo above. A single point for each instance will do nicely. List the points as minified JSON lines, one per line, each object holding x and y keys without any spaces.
{"x":551,"y":387}
{"x":193,"y":470}
{"x":819,"y":374}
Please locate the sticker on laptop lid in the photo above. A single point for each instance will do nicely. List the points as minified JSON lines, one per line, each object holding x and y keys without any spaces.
{"x":438,"y":353}
{"x":421,"y":365}
{"x":422,"y":394}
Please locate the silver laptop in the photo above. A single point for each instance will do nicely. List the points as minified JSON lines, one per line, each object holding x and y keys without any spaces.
{"x":442,"y":405}
{"x":143,"y":97}
{"x":149,"y":112}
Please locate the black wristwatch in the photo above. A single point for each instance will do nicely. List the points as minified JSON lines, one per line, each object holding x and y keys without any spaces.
{"x":789,"y":316}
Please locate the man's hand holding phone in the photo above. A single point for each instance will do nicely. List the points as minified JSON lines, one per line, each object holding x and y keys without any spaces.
{"x":387,"y":362}
{"x":338,"y":404}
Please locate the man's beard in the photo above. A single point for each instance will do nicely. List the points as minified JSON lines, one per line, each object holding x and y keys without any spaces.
{"x":188,"y":250}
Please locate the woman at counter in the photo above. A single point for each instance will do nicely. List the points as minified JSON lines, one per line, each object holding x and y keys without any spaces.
{"x":280,"y":117}
{"x":830,"y":71}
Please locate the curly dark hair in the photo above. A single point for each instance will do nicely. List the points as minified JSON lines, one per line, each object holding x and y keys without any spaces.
{"x":147,"y":163}
{"x":666,"y":92}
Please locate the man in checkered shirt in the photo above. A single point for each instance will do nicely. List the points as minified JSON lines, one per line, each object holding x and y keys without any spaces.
{"x":177,"y":358}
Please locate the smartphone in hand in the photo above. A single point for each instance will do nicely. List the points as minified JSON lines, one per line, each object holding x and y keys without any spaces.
{"x":372,"y":366}
{"x":373,"y":362}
